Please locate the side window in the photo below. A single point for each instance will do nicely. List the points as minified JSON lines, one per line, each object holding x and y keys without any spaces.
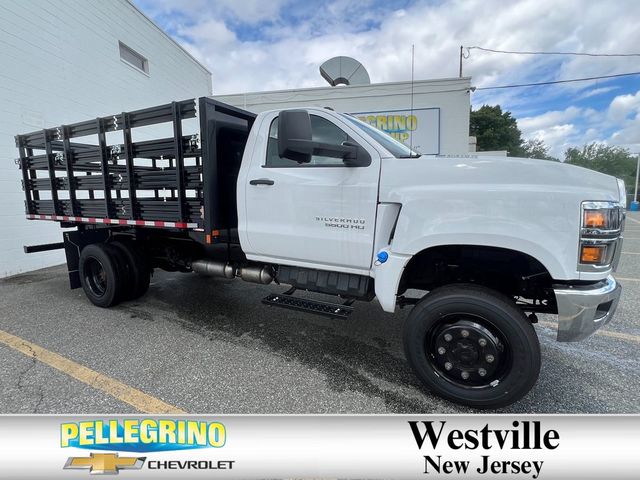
{"x":322,"y":130}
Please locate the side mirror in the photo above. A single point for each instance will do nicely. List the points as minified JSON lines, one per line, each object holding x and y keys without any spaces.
{"x":358,"y":157}
{"x":294,"y":135}
{"x":295,"y":142}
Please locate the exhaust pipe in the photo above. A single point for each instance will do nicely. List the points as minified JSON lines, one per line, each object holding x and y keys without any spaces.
{"x":260,"y":274}
{"x":213,"y":269}
{"x":263,"y":274}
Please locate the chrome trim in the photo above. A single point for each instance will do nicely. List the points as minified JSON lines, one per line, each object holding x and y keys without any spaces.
{"x":617,"y":254}
{"x":578,"y":315}
{"x":597,"y":205}
{"x":622,"y":192}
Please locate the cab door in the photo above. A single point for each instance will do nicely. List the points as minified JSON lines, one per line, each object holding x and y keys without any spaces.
{"x":318,"y":214}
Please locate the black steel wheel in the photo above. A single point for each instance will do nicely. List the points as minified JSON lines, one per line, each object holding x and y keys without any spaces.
{"x":99,"y":275}
{"x":136,"y":268}
{"x":472,"y":345}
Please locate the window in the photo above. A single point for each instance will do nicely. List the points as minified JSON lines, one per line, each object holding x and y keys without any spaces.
{"x":396,"y":148}
{"x":322,"y":130}
{"x":133,"y":58}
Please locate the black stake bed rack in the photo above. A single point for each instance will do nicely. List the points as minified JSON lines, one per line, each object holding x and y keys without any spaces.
{"x":183,"y":181}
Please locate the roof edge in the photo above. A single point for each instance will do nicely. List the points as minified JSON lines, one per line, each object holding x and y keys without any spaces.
{"x":173,"y":40}
{"x":350,"y":87}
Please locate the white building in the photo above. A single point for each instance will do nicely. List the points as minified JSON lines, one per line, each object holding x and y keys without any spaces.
{"x":68,"y":61}
{"x":430,"y":115}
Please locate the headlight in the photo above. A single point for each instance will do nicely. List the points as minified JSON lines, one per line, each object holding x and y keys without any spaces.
{"x":601,"y":218}
{"x":600,"y":231}
{"x":623,"y":193}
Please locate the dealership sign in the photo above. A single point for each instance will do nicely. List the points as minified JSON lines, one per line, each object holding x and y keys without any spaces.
{"x":418,"y":128}
{"x":469,"y":447}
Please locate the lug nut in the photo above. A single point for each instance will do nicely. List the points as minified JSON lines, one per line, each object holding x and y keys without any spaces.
{"x":482,"y":342}
{"x":448,"y":337}
{"x":465,"y":333}
{"x":448,"y":366}
{"x":489,"y":358}
{"x":441,"y":350}
{"x":482,"y":372}
{"x":465,"y":375}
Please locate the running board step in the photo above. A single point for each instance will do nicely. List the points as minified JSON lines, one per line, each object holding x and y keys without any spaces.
{"x":334,"y":310}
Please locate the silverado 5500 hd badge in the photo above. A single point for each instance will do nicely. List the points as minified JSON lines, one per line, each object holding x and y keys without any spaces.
{"x":342,"y":222}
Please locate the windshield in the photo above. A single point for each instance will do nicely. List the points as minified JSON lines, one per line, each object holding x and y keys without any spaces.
{"x":396,"y":148}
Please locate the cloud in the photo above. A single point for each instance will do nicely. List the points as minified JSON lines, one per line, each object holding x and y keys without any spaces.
{"x":297,"y":37}
{"x":595,"y":92}
{"x":617,"y":124}
{"x":529,"y":125}
{"x":256,"y":46}
{"x":624,"y":106}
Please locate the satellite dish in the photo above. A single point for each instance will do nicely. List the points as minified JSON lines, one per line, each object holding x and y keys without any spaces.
{"x":344,"y":71}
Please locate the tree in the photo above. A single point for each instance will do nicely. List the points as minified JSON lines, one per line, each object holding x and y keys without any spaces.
{"x":608,"y":159}
{"x":536,"y":148}
{"x":496,"y":130}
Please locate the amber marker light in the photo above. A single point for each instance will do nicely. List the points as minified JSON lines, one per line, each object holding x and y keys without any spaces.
{"x":595,"y":219}
{"x":590,"y":254}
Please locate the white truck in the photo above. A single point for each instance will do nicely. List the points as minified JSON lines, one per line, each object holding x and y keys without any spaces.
{"x":320,"y":201}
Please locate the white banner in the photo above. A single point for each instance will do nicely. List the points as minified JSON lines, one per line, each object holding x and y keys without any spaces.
{"x":411,"y":446}
{"x":418,"y":128}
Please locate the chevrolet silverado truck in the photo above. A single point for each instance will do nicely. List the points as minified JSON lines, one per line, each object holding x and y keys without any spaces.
{"x":320,"y":201}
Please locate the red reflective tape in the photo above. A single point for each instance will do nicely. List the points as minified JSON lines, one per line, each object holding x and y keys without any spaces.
{"x":116,"y":221}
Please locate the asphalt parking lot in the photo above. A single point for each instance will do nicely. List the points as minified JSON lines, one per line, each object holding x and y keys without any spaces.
{"x":209,"y":346}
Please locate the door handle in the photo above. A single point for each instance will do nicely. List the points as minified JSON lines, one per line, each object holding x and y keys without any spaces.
{"x":261,"y":181}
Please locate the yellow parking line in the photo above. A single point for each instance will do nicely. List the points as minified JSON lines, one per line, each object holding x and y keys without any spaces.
{"x":632,"y":219}
{"x":134,"y":397}
{"x":605,"y":333}
{"x":627,"y":279}
{"x":631,"y":253}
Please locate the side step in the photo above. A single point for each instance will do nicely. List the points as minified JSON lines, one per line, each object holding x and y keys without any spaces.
{"x":334,"y":310}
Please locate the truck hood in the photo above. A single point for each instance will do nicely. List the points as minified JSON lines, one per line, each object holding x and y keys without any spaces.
{"x":525,"y":205}
{"x":528,"y":176}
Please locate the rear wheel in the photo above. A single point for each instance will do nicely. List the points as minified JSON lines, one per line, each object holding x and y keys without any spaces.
{"x":100,"y":275}
{"x":136,"y":268}
{"x":472,"y":345}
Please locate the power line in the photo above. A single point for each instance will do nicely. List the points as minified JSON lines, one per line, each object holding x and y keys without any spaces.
{"x":552,"y":82}
{"x":579,"y":54}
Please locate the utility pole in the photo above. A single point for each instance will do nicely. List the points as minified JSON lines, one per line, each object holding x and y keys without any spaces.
{"x":635,"y":194}
{"x":461,"y":47}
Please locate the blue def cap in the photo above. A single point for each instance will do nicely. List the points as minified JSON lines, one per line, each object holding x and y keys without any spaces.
{"x":383,"y":256}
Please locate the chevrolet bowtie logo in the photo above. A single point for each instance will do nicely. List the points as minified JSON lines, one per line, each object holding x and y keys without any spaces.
{"x":105,"y":463}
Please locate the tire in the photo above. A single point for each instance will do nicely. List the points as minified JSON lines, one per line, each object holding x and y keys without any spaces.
{"x":136,"y":268}
{"x":100,"y":275}
{"x":471,"y":345}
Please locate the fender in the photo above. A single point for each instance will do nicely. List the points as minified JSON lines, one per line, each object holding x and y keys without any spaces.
{"x":387,"y":275}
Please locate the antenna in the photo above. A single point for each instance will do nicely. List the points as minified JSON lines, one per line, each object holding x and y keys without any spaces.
{"x":411,"y":109}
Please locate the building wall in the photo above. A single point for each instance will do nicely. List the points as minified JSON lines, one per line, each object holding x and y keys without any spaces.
{"x":61,"y":64}
{"x":450,"y":96}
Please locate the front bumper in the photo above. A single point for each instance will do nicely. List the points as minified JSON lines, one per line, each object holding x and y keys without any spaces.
{"x":583,"y":309}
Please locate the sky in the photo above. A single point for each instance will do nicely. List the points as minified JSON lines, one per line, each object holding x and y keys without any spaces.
{"x":261,"y":45}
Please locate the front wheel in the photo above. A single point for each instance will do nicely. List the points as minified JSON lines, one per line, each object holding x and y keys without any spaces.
{"x":473,"y":346}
